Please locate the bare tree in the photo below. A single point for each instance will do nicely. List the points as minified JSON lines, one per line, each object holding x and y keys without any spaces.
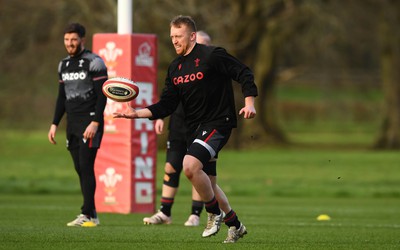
{"x":390,"y":63}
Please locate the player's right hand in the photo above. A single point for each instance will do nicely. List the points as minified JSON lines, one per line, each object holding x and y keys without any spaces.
{"x":130,"y":113}
{"x":52,"y":134}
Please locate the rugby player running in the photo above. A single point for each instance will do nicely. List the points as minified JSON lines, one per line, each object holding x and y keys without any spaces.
{"x":176,"y":150}
{"x":201,"y":79}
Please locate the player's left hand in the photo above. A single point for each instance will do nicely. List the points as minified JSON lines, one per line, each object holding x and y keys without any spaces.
{"x":248,"y":112}
{"x":90,"y":130}
{"x":159,"y":126}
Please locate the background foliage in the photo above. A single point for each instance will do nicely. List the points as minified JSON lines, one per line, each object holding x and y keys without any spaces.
{"x":317,"y":63}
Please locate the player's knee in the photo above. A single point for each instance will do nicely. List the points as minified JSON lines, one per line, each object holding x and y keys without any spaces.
{"x":188,"y":170}
{"x":191,"y":167}
{"x":171,"y":179}
{"x":169,"y":168}
{"x":188,"y":173}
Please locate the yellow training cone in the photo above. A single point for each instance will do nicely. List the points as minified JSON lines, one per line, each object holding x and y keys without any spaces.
{"x":323,"y":217}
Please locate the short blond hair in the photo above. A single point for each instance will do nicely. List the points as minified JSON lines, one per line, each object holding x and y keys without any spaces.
{"x":180,"y":20}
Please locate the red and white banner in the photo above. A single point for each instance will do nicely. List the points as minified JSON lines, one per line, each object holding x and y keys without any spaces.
{"x":125,"y":166}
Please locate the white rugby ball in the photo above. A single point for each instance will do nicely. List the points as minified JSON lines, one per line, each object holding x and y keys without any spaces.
{"x":120,"y":89}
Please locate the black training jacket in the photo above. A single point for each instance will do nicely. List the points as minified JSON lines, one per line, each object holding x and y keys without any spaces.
{"x":202,"y":81}
{"x":81,"y":79}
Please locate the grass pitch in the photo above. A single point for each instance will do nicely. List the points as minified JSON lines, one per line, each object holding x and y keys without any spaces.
{"x":38,"y":222}
{"x":277,"y":193}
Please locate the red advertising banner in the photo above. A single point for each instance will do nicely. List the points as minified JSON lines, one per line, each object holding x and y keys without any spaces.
{"x":125,"y":166}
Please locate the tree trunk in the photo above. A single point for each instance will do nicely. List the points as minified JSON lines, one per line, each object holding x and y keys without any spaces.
{"x":265,"y":71}
{"x":389,"y":137}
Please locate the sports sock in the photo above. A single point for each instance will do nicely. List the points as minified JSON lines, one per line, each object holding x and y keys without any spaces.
{"x":231,"y":219}
{"x":166,"y":205}
{"x":212,"y":206}
{"x":197,"y":207}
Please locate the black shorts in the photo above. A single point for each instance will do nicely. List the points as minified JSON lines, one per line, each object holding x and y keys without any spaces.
{"x":206,"y":142}
{"x":176,"y":151}
{"x":76,"y":126}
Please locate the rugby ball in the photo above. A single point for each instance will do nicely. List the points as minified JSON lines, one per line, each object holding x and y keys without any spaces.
{"x":120,"y":89}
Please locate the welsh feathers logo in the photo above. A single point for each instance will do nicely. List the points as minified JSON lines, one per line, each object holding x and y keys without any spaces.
{"x":110,"y":179}
{"x":110,"y":54}
{"x":197,"y":61}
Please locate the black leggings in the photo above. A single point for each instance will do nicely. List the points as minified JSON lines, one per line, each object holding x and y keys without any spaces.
{"x":84,"y":158}
{"x":83,"y":154}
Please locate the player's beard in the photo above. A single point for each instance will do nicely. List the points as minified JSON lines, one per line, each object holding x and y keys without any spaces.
{"x":74,"y":50}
